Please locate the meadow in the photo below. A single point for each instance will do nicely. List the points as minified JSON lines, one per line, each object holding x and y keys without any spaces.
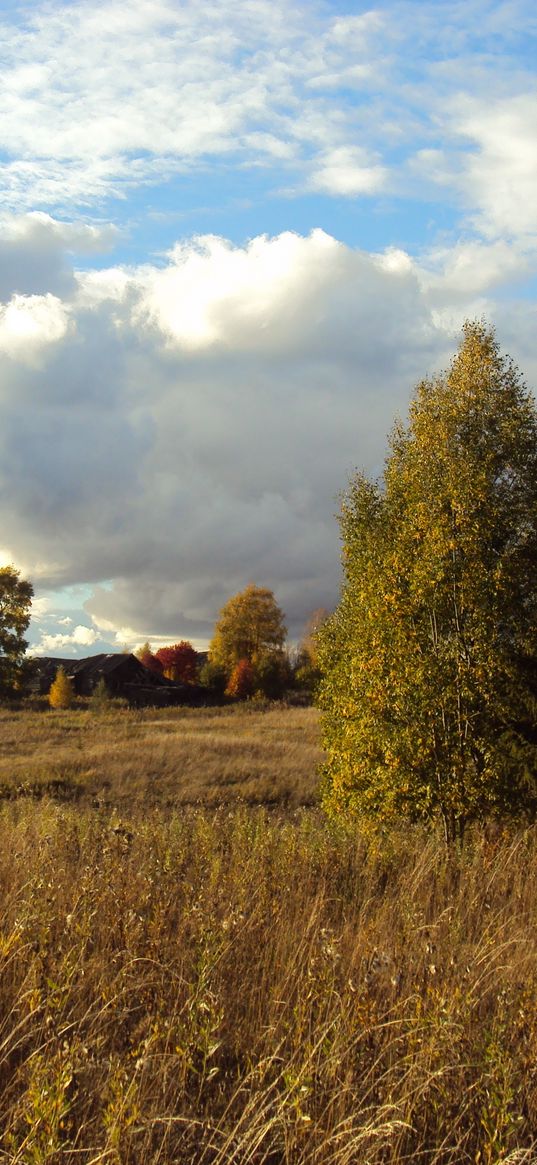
{"x":198,"y":967}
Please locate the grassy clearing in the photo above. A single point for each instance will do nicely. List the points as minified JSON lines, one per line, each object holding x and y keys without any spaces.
{"x":234,"y":986}
{"x":162,"y":757}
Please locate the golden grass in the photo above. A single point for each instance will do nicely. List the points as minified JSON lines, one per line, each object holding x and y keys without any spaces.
{"x":168,"y":757}
{"x":234,"y":986}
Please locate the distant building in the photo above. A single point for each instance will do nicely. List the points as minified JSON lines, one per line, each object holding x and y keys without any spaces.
{"x":123,"y":674}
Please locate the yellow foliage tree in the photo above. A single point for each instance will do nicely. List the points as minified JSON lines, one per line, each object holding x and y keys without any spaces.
{"x":61,"y":694}
{"x":429,"y":688}
{"x":250,"y":626}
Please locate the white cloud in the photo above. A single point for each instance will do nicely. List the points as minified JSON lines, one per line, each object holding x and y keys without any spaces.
{"x":40,"y":229}
{"x":80,"y":637}
{"x":471,"y":268}
{"x":499,"y":176}
{"x":347,"y":171}
{"x":389,"y":101}
{"x":30,"y":323}
{"x":40,"y":608}
{"x":91,"y":106}
{"x":212,"y":292}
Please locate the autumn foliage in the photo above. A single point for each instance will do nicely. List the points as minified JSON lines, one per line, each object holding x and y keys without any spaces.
{"x":61,"y":694}
{"x":241,"y":682}
{"x":179,"y":663}
{"x":430,"y":661}
{"x":149,"y":660}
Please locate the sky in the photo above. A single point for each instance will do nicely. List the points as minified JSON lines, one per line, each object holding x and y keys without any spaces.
{"x":232,"y":240}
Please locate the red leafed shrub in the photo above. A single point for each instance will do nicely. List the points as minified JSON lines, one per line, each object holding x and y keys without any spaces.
{"x":179,"y":663}
{"x":241,"y":682}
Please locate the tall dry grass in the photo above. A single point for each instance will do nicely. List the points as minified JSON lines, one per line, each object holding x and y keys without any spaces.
{"x":232,"y":987}
{"x":238,"y":986}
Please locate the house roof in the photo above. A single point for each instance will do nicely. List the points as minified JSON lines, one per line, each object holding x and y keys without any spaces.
{"x":100,"y":665}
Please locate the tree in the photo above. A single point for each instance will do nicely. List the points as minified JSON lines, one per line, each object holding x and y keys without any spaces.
{"x":61,"y":694}
{"x":15,"y":602}
{"x":272,"y":675}
{"x":307,"y":647}
{"x":149,"y":660}
{"x":100,"y":700}
{"x":430,"y":660}
{"x":306,"y":668}
{"x":213,"y":677}
{"x":179,"y":663}
{"x":250,"y":626}
{"x":241,"y":682}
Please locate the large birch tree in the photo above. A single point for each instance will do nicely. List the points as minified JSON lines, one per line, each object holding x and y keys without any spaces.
{"x":430,"y":660}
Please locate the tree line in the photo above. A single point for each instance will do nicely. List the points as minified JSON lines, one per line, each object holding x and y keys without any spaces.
{"x":247,"y":655}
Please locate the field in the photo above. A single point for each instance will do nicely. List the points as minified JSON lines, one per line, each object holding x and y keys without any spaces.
{"x":196,"y":967}
{"x":162,"y":757}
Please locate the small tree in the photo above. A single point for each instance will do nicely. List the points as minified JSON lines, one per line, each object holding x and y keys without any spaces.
{"x":306,"y":672}
{"x":429,"y":690}
{"x":308,"y":647}
{"x":100,"y":697}
{"x":213,"y":677}
{"x":61,"y":694}
{"x":241,"y":683}
{"x":149,"y":660}
{"x":179,"y":663}
{"x":272,"y":675}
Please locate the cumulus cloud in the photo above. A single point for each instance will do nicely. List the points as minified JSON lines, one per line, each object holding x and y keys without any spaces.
{"x":52,"y":644}
{"x":34,"y":252}
{"x":191,"y":428}
{"x":29,"y":323}
{"x":347,"y":171}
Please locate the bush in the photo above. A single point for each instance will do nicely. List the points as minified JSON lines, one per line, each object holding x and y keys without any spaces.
{"x":100,"y":700}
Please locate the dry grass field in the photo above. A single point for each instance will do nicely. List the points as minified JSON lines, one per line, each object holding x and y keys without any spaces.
{"x":162,"y":757}
{"x":188,"y":977}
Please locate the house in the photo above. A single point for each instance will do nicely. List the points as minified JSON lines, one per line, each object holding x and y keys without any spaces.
{"x":123,"y":675}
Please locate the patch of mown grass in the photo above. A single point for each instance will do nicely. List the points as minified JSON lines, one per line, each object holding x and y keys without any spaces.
{"x":167,"y":757}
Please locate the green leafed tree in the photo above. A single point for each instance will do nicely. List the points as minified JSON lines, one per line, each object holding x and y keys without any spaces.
{"x":429,"y":663}
{"x":15,"y":605}
{"x":306,"y":670}
{"x":250,"y":626}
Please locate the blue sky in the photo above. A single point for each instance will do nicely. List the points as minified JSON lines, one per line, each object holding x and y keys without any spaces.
{"x":232,"y":240}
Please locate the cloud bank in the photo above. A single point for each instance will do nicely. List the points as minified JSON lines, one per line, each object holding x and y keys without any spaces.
{"x":169,"y":433}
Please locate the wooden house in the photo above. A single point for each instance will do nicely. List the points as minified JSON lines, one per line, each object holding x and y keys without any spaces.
{"x":124,"y":676}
